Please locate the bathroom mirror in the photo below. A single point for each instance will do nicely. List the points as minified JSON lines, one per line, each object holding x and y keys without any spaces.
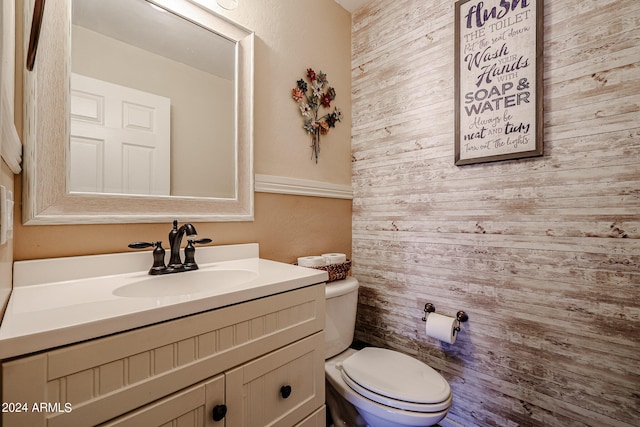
{"x":133,"y":76}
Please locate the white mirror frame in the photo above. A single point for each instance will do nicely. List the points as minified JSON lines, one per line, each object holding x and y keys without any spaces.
{"x":46,"y":199}
{"x":10,"y":146}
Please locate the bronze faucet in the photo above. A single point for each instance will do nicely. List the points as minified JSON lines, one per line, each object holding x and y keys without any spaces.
{"x":175,"y":240}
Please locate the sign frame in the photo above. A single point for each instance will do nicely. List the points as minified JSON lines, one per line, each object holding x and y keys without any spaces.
{"x":498,"y":80}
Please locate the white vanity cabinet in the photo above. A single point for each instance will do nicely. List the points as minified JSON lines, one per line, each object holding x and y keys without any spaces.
{"x":262,"y":359}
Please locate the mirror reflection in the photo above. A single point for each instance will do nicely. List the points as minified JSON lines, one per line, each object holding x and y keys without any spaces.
{"x":152,"y":103}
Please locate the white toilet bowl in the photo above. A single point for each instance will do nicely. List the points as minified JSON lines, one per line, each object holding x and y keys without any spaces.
{"x":383,"y":410}
{"x":376,"y":387}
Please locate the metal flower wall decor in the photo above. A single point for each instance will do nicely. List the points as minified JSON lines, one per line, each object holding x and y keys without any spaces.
{"x":311,"y":96}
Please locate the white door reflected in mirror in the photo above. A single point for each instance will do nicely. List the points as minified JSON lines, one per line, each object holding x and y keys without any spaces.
{"x":120,"y":139}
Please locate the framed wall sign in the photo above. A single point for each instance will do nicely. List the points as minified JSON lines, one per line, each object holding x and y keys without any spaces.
{"x":498,"y":80}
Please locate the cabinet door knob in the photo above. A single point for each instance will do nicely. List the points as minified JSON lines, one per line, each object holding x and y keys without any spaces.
{"x":285,"y":391}
{"x":219,"y":411}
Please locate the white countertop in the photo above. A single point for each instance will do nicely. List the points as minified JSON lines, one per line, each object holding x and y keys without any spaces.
{"x":61,"y":301}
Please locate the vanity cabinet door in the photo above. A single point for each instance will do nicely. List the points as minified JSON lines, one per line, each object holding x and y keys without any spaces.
{"x":280,"y":388}
{"x":317,"y":419}
{"x":192,"y":407}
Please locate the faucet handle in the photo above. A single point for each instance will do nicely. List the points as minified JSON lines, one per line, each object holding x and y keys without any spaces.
{"x":158,"y":256}
{"x":190,"y":252}
{"x":202,"y":241}
{"x":142,"y":245}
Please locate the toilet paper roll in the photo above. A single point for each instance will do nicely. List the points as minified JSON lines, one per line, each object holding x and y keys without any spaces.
{"x":442,"y":327}
{"x":312,"y":261}
{"x":334,"y":258}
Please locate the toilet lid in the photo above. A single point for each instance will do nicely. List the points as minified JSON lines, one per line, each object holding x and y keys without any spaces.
{"x":396,"y":376}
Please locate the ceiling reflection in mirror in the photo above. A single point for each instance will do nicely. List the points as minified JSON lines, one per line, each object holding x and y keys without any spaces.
{"x":152,"y":103}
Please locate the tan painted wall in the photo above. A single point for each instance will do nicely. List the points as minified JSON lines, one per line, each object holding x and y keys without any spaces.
{"x":544,"y":254}
{"x":291,"y":35}
{"x":285,"y":226}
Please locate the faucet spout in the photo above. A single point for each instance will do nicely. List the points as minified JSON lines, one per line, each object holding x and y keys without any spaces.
{"x":175,"y":240}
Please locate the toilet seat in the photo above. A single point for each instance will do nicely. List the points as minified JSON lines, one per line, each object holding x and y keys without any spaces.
{"x":396,"y":380}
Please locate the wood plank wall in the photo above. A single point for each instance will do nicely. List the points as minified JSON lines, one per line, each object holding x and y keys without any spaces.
{"x":544,"y":253}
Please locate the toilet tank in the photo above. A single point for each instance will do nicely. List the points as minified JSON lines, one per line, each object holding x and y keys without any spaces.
{"x":340,"y":320}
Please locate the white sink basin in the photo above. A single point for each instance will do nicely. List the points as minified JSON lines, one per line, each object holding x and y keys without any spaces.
{"x":185,"y":283}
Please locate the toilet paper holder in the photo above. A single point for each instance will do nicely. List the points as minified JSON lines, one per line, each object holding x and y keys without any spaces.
{"x":461,"y":316}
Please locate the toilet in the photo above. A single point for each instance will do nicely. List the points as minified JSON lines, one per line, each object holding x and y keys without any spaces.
{"x":375,"y":387}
